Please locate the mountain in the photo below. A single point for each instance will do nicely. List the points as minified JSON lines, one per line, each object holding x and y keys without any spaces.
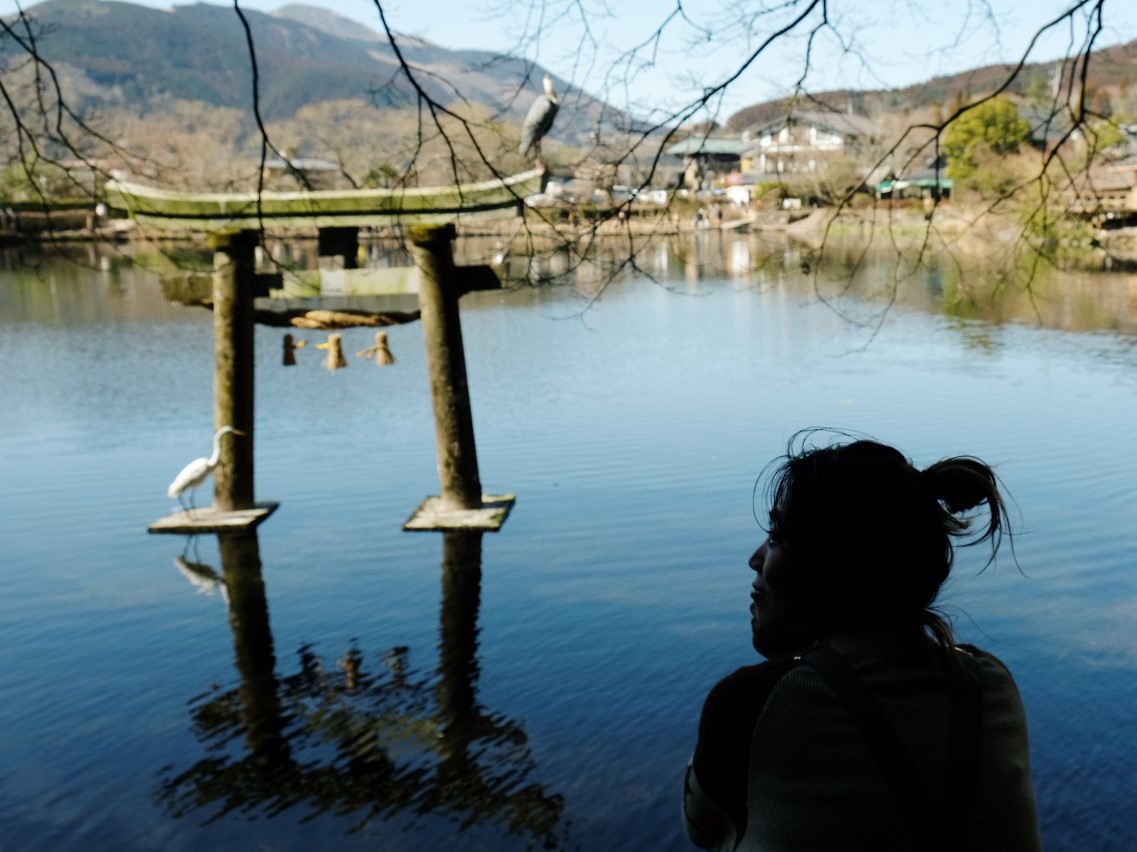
{"x":177,"y":85}
{"x":328,"y":22}
{"x":1110,"y":88}
{"x":141,"y":57}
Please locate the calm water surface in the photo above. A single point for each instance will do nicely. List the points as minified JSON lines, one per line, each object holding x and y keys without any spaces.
{"x":351,"y":686}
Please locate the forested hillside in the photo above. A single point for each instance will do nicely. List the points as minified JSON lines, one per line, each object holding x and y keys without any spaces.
{"x":173,"y":89}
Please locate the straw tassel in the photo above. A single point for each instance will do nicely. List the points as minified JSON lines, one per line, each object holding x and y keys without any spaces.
{"x":380,"y":351}
{"x":335,"y":352}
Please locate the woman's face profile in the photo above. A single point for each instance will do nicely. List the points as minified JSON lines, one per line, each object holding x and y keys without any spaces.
{"x":786,"y":613}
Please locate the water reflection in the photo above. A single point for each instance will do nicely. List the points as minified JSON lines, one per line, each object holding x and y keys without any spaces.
{"x":370,"y":740}
{"x":862,"y":279}
{"x":202,"y":576}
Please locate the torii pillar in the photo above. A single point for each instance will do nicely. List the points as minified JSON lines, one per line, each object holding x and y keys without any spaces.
{"x":461,"y":505}
{"x":234,"y":279}
{"x":234,"y":286}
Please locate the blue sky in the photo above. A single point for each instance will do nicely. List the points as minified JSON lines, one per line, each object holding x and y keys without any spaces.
{"x":882,"y":43}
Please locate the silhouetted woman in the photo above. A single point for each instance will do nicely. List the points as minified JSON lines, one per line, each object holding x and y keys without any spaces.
{"x":867,"y":728}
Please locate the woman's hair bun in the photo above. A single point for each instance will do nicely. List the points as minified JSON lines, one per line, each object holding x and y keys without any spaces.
{"x":961,"y":483}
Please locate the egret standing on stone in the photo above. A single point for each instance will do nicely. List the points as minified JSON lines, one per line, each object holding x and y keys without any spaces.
{"x":198,"y":470}
{"x":538,"y":121}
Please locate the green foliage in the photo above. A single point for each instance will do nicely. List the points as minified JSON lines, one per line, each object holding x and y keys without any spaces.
{"x":13,"y":184}
{"x":769,"y":192}
{"x":39,"y":183}
{"x":588,"y":211}
{"x":1037,"y":89}
{"x":993,"y":126}
{"x":1101,"y":135}
{"x":994,"y":175}
{"x":383,"y":175}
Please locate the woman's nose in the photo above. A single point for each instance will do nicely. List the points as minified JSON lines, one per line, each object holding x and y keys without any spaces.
{"x":758,"y":558}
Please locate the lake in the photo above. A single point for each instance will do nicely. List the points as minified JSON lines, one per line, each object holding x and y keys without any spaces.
{"x":353,"y":686}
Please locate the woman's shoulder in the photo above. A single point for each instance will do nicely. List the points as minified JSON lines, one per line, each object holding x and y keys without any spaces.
{"x":980,"y":654}
{"x":991,"y":666}
{"x":995,"y":675}
{"x":749,"y":686}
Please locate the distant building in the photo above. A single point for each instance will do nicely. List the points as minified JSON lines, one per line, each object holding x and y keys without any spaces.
{"x":923,"y":184}
{"x":1049,"y":128}
{"x":929,"y":181}
{"x":803,"y":141}
{"x":706,"y":156}
{"x":1107,"y":189}
{"x":740,"y":195}
{"x":302,"y":173}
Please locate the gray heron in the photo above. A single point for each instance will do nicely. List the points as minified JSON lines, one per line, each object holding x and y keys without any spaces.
{"x":198,"y":470}
{"x":538,"y":121}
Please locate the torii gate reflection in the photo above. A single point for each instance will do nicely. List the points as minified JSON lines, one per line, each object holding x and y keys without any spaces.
{"x":371,"y":741}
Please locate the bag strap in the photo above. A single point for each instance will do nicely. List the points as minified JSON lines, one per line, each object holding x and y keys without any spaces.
{"x":965,"y":746}
{"x":941,"y":828}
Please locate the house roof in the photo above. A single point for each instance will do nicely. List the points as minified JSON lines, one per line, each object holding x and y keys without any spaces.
{"x":1047,"y":126}
{"x":305,"y":164}
{"x":841,"y":123}
{"x":923,"y":182}
{"x":1105,"y":178}
{"x":708,"y":145}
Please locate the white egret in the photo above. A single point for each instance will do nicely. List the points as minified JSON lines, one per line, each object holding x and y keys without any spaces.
{"x":539,"y":120}
{"x":198,"y":470}
{"x":203,"y":577}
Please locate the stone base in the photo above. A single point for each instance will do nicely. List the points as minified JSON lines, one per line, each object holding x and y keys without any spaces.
{"x":430,"y":515}
{"x":194,"y":521}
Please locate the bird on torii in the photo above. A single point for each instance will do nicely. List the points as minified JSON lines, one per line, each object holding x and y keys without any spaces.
{"x":538,"y":121}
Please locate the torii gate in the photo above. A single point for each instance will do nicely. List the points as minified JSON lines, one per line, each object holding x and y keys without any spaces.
{"x":233,"y":222}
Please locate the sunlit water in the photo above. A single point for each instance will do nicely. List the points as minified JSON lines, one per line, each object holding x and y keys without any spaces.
{"x":389,"y":703}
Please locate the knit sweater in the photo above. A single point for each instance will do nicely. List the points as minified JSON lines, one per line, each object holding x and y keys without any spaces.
{"x":780,"y":765}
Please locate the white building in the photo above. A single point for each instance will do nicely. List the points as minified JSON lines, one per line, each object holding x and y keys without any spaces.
{"x":802,"y":141}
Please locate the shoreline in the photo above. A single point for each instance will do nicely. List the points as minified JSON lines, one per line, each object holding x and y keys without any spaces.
{"x":967,"y":227}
